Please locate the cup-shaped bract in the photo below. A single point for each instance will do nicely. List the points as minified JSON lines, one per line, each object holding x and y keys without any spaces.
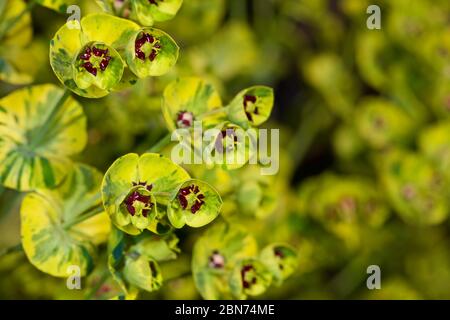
{"x":51,"y":239}
{"x":434,"y":143}
{"x":415,"y":187}
{"x":146,"y":12}
{"x":187,"y":99}
{"x":251,"y":107}
{"x":86,"y":59}
{"x":97,"y":65}
{"x":250,"y":277}
{"x":230,"y":146}
{"x":281,"y":260}
{"x":342,"y":204}
{"x":151,"y":52}
{"x":41,"y":127}
{"x":215,"y":255}
{"x":195,"y":203}
{"x":142,"y":272}
{"x":383,"y":124}
{"x":133,"y":186}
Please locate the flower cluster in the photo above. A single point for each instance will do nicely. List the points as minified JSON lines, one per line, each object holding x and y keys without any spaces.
{"x":92,"y":60}
{"x":227,"y":254}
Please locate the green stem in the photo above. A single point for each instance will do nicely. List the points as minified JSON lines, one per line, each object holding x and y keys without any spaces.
{"x":16,"y":248}
{"x":97,"y":286}
{"x":212,"y":112}
{"x":89,"y":213}
{"x":315,"y":120}
{"x":7,"y":26}
{"x":163,"y":142}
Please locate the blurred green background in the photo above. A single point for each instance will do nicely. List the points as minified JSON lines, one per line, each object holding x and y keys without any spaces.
{"x":364,"y":118}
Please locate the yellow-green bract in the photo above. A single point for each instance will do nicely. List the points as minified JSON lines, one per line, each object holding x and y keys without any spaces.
{"x":90,"y":58}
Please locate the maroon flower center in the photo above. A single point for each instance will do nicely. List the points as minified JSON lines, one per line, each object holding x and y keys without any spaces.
{"x":191,"y":195}
{"x":226,"y":140}
{"x":216,"y":260}
{"x":94,"y":58}
{"x":248,"y":276}
{"x":155,"y":2}
{"x":280,"y":255}
{"x":140,"y":50}
{"x":249,"y":106}
{"x":138,"y":196}
{"x":184,"y":119}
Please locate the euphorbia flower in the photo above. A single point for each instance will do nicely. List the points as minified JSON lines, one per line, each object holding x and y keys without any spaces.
{"x":146,"y":12}
{"x":151,"y":52}
{"x":250,"y":277}
{"x":215,"y":254}
{"x":142,"y":272}
{"x":188,"y":99}
{"x":252,"y":106}
{"x":138,"y":207}
{"x":233,"y":146}
{"x":134,"y":185}
{"x":196,"y":204}
{"x":280,"y":259}
{"x":98,"y":65}
{"x":86,"y":59}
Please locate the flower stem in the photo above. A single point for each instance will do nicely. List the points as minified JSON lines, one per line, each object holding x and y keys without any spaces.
{"x":163,"y":142}
{"x":212,"y":112}
{"x":16,"y":248}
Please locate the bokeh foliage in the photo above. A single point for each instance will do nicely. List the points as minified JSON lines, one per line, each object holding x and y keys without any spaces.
{"x":364,"y":119}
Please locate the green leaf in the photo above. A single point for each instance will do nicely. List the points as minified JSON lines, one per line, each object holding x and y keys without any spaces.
{"x":196,"y":203}
{"x":250,"y":277}
{"x":215,"y":254}
{"x":158,"y":52}
{"x":281,"y":260}
{"x":16,"y":67}
{"x":150,"y":175}
{"x":191,"y":97}
{"x":147,"y":12}
{"x":40,"y":127}
{"x":57,"y":5}
{"x":251,"y":107}
{"x":49,"y":239}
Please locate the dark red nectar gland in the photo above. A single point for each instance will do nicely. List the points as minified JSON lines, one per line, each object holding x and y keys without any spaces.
{"x":226,"y":140}
{"x":216,"y":260}
{"x":249,"y":106}
{"x":95,"y":58}
{"x":191,"y":195}
{"x":246,"y":280}
{"x":138,"y":196}
{"x":185,"y":119}
{"x":152,"y":50}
